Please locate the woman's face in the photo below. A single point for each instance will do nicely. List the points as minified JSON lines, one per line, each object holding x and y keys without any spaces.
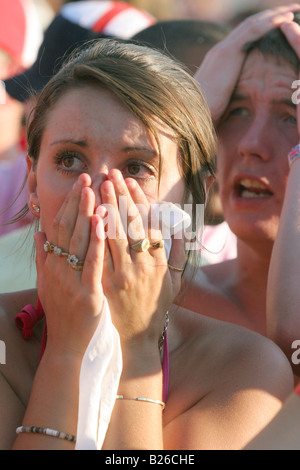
{"x":90,"y":131}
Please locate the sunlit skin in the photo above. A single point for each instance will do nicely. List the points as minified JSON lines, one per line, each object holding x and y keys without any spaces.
{"x":110,"y":141}
{"x":91,"y":131}
{"x":223,"y":386}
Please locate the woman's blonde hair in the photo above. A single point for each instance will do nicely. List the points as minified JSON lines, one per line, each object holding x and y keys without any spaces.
{"x":153,"y":87}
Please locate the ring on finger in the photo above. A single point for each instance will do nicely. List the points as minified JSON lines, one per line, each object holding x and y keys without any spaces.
{"x":173,"y":268}
{"x":159,"y":244}
{"x":59,"y":252}
{"x":51,"y":248}
{"x":74,"y":262}
{"x":78,"y":266}
{"x":141,"y":246}
{"x":48,"y":247}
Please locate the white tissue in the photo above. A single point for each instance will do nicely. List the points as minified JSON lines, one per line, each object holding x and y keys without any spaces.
{"x":99,"y":380}
{"x":101,"y":366}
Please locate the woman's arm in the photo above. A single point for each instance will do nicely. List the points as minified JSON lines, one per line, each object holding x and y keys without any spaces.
{"x":283,"y":294}
{"x":139,"y":300}
{"x":72,"y":301}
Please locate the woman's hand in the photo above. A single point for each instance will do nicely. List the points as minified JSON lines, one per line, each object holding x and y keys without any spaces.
{"x":138,"y":285}
{"x":72,"y":300}
{"x":291,"y":30}
{"x":140,"y":289}
{"x":220,"y":70}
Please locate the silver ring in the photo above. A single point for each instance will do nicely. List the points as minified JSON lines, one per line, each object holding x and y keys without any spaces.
{"x":179,"y":270}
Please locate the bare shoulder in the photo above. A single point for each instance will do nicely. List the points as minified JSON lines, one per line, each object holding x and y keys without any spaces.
{"x":231,"y":349}
{"x":226,"y":382}
{"x":208,"y":287}
{"x":255,"y":359}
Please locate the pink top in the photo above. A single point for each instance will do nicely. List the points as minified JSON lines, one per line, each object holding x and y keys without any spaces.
{"x":219,"y":243}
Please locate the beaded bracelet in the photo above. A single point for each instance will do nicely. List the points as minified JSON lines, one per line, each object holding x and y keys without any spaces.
{"x":294,"y":154}
{"x":46,"y":432}
{"x":149,"y":400}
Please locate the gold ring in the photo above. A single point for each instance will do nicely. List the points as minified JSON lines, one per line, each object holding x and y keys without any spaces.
{"x":159,"y":244}
{"x":180,"y":270}
{"x":77,"y":267}
{"x":59,"y":252}
{"x":142,"y":245}
{"x":48,"y":247}
{"x":74,"y":263}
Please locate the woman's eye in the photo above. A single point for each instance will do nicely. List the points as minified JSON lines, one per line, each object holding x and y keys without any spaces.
{"x":138,"y":170}
{"x":133,"y":169}
{"x":69,"y":163}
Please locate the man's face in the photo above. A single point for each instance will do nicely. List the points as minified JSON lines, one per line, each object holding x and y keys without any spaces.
{"x":256,"y":132}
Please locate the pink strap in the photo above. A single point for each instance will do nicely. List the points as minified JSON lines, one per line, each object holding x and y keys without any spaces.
{"x":165,"y":368}
{"x":27,"y":319}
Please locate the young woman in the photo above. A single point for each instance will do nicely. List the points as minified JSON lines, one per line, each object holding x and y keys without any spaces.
{"x":121,"y":122}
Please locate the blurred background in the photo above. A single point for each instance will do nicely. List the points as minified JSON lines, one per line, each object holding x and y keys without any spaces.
{"x":227,"y":11}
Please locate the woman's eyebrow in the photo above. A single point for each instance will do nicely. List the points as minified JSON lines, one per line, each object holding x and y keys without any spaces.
{"x":80,"y":143}
{"x":151,"y":151}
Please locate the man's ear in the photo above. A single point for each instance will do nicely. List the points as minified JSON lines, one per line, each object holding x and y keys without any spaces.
{"x":32,"y":197}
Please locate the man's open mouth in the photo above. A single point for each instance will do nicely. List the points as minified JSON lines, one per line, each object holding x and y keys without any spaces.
{"x":249,"y":188}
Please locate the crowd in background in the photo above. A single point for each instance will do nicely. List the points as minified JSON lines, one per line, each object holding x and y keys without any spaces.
{"x":233,"y":282}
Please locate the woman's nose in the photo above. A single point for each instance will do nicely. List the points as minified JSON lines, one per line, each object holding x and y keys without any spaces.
{"x":97,"y":180}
